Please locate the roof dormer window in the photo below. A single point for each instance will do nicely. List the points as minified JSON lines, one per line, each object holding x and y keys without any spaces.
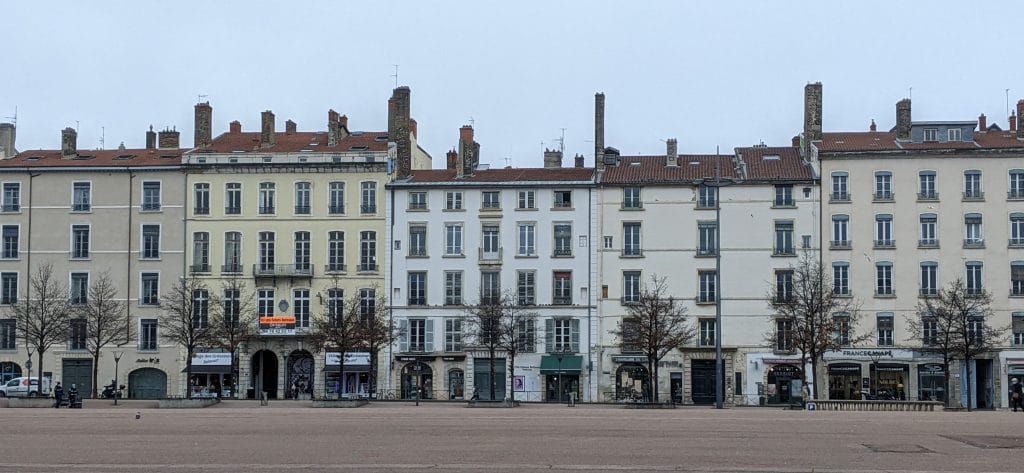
{"x":953,"y":134}
{"x":931,"y":134}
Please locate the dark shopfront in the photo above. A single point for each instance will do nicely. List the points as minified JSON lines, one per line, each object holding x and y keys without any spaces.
{"x":888,"y":381}
{"x":784,"y":383}
{"x":931,"y":382}
{"x":561,"y":376}
{"x":844,"y":381}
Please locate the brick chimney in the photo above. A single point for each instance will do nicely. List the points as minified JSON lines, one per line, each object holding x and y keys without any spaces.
{"x":873,"y":127}
{"x":1020,"y":119}
{"x":7,"y":136}
{"x":203,"y":125}
{"x":469,"y":152}
{"x":580,"y":160}
{"x":68,"y":142}
{"x":452,"y":161}
{"x":235,"y":127}
{"x":399,"y":109}
{"x":795,"y":141}
{"x":290,"y":127}
{"x":413,"y":128}
{"x":671,"y":152}
{"x":1013,"y":121}
{"x":337,"y":128}
{"x":812,"y":116}
{"x":903,"y":120}
{"x":343,"y":121}
{"x":599,"y":131}
{"x":169,"y":139}
{"x":150,"y":138}
{"x":267,"y":138}
{"x":552,"y":158}
{"x":982,"y":123}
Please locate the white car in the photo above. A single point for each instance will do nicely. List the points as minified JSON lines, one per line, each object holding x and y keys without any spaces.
{"x":22,"y":387}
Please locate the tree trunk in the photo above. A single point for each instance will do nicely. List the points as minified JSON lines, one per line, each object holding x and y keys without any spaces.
{"x":512,"y":375}
{"x":188,"y":376}
{"x":40,"y":376}
{"x":814,"y":379}
{"x":373,"y":374}
{"x":492,"y":380}
{"x":95,"y":372}
{"x":652,"y":368}
{"x":949,"y":390}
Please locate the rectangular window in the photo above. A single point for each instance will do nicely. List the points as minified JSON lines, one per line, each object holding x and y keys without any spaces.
{"x":367,"y":305}
{"x":931,"y":134}
{"x":708,"y":287}
{"x":784,"y":335}
{"x":491,"y":200}
{"x":81,"y":197}
{"x":527,"y":245}
{"x":972,"y":185}
{"x":526,"y":200}
{"x":267,"y":252}
{"x":885,"y":329}
{"x":8,"y":288}
{"x":8,"y":334}
{"x":80,"y":241}
{"x":418,"y":240}
{"x":1017,"y":229}
{"x":841,"y":278}
{"x":232,"y":307}
{"x":526,"y":335}
{"x":232,"y":252}
{"x":841,"y":322}
{"x":783,"y":286}
{"x":976,"y":330}
{"x":840,"y":188}
{"x":453,"y":287}
{"x":563,"y":199}
{"x":201,"y":199}
{"x":883,"y":231}
{"x":417,"y":335}
{"x":630,"y":287}
{"x":335,"y":305}
{"x":368,"y":197}
{"x":564,"y":335}
{"x":883,"y":185}
{"x":200,"y":308}
{"x":148,"y":334}
{"x":972,"y":230}
{"x":707,"y":197}
{"x":975,"y":284}
{"x":11,"y":197}
{"x":267,"y":198}
{"x":417,"y":201}
{"x":929,"y":279}
{"x":302,"y":191}
{"x":452,"y":335}
{"x":562,"y":292}
{"x":1016,"y":184}
{"x":1017,"y":278}
{"x":490,"y":249}
{"x":417,"y":288}
{"x":300,"y":304}
{"x":929,"y":331}
{"x":453,"y":239}
{"x":79,"y":288}
{"x":784,"y":196}
{"x":1017,"y":328}
{"x":490,"y":287}
{"x":11,"y":241}
{"x":233,"y":198}
{"x":926,"y":186}
{"x":302,"y":253}
{"x":953,"y":134}
{"x":150,"y":241}
{"x":368,"y":251}
{"x":631,"y":198}
{"x":453,"y":200}
{"x":840,"y":231}
{"x":883,"y":279}
{"x":265,"y":303}
{"x":563,"y":239}
{"x":77,"y":334}
{"x":150,"y":289}
{"x":200,"y":252}
{"x":151,"y":196}
{"x":630,"y":342}
{"x":336,"y":204}
{"x":526,"y":287}
{"x":707,"y":238}
{"x":928,"y":235}
{"x":784,"y":238}
{"x":631,"y":239}
{"x":336,"y":251}
{"x":706,"y":332}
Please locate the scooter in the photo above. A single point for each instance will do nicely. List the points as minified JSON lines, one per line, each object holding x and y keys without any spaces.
{"x":110,"y":392}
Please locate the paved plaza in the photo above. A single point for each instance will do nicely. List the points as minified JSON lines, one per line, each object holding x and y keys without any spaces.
{"x":239,"y":436}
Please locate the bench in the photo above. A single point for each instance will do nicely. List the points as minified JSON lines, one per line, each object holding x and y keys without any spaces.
{"x":844,"y":405}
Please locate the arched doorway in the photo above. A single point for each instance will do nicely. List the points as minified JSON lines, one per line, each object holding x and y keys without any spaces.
{"x":264,"y":374}
{"x":456,"y":384}
{"x":299,"y":375}
{"x":631,"y":382}
{"x":8,"y":371}
{"x":781,"y":385}
{"x":417,"y":377}
{"x":147,"y":383}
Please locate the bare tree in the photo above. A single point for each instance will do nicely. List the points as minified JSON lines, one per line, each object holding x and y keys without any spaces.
{"x":106,"y":321}
{"x":42,"y":314}
{"x":337,"y":328}
{"x":516,"y":336}
{"x":186,"y":320}
{"x":655,"y":325}
{"x":954,"y":324}
{"x":232,"y":320}
{"x":810,"y":316}
{"x":485,"y":330}
{"x":376,"y":328}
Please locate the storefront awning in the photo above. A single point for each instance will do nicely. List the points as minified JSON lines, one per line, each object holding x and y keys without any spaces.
{"x":210,"y":369}
{"x":571,"y":364}
{"x":348,"y":368}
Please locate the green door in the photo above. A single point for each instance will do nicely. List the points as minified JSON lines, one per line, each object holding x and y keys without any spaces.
{"x":77,"y":372}
{"x":147,"y":383}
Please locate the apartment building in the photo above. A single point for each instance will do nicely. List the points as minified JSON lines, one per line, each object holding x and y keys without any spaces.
{"x":907,"y":211}
{"x":470,"y":235}
{"x":297,"y":220}
{"x":89,"y":214}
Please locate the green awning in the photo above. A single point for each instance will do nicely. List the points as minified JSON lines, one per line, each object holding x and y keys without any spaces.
{"x":570,"y":364}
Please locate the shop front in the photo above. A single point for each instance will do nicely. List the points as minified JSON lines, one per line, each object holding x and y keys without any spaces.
{"x":349,"y":382}
{"x":844,"y":381}
{"x":1011,"y":366}
{"x":212,"y":375}
{"x":888,"y":381}
{"x":417,"y":379}
{"x":561,"y":377}
{"x":784,"y":384}
{"x":484,"y":387}
{"x":631,"y":378}
{"x":931,"y":382}
{"x":8,"y":371}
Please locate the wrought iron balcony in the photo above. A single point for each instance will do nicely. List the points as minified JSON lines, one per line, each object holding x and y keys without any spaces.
{"x":336,"y":268}
{"x":199,"y":268}
{"x":231,"y":269}
{"x":282,"y":270}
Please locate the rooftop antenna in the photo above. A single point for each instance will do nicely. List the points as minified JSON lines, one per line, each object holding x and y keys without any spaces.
{"x":395,"y":75}
{"x":200,"y":97}
{"x":103,"y":136}
{"x":471,"y":121}
{"x":76,"y":125}
{"x":14,"y":118}
{"x":1007,"y":91}
{"x":507,"y":162}
{"x":561,"y":142}
{"x":911,"y":93}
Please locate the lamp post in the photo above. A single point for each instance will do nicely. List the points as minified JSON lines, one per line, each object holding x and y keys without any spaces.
{"x":117,"y":359}
{"x":28,"y":368}
{"x":558,"y":356}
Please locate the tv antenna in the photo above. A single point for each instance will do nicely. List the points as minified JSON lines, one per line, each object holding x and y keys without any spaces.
{"x":103,"y":136}
{"x":561,"y":142}
{"x":910,"y":91}
{"x":1007,"y":91}
{"x":200,"y":97}
{"x":14,"y":118}
{"x":472,"y":122}
{"x":395,"y":75}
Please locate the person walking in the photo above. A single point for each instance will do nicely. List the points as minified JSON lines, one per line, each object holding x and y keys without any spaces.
{"x":1016,"y":393}
{"x":58,"y":395}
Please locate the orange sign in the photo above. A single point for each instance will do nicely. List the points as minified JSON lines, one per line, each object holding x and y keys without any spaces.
{"x":277,"y":325}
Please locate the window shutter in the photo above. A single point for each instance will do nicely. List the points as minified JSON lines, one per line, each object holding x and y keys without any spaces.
{"x":429,"y":336}
{"x":575,"y":335}
{"x":549,"y":335}
{"x":403,"y":335}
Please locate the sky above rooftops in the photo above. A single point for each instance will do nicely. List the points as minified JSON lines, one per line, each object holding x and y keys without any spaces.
{"x":711,"y":74}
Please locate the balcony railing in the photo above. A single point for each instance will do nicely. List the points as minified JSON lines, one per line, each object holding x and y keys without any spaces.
{"x":928,"y":195}
{"x":840,"y":244}
{"x":80,"y":207}
{"x":839,"y":197}
{"x":266,"y":210}
{"x":302,"y":210}
{"x":1017,"y":242}
{"x":151,"y":206}
{"x":368,"y":209}
{"x":974,"y":243}
{"x":561,"y":300}
{"x":336,"y":268}
{"x":11,"y":208}
{"x":784,"y":251}
{"x":367,"y":267}
{"x":563,"y":251}
{"x":885,"y":243}
{"x":417,"y":251}
{"x":1015,"y":194}
{"x":706,"y":252}
{"x":231,"y":269}
{"x":199,"y":268}
{"x":974,"y":195}
{"x":928,"y":292}
{"x":632,"y":252}
{"x":232,"y":210}
{"x":336,"y":209}
{"x":491,"y":256}
{"x":282,"y":270}
{"x":883,"y":196}
{"x":201,"y":210}
{"x":928,"y":243}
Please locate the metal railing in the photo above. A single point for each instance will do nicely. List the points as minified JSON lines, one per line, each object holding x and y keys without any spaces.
{"x":272,"y":270}
{"x":199,"y":268}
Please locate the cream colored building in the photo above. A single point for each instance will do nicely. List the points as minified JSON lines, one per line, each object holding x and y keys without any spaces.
{"x":298,"y":219}
{"x":90,"y":212}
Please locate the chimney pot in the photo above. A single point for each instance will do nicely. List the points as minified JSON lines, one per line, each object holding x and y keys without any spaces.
{"x":671,"y":152}
{"x":982,"y":123}
{"x":413,"y":128}
{"x":267,"y":138}
{"x":235,"y":127}
{"x":552,"y":158}
{"x":903,"y":120}
{"x":203,"y":133}
{"x":290,"y":126}
{"x":795,"y":141}
{"x":68,"y":142}
{"x":150,"y":138}
{"x":1013,"y":121}
{"x":579,"y":160}
{"x":599,"y":130}
{"x":873,"y":127}
{"x":1020,"y":119}
{"x":343,"y":121}
{"x":169,"y":139}
{"x":8,"y":132}
{"x":466,"y":134}
{"x":452,"y":159}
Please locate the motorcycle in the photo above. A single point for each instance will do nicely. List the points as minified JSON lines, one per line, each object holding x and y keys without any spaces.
{"x":111,"y":391}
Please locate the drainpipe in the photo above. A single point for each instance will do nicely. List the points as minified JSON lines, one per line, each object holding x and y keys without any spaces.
{"x":128,"y":261}
{"x":590,"y":290}
{"x":390,"y":290}
{"x":28,"y":249}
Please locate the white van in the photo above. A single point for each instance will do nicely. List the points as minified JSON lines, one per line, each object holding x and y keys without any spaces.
{"x":22,"y":387}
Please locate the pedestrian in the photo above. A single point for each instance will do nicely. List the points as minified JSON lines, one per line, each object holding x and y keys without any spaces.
{"x":58,"y":395}
{"x":1016,"y":393}
{"x":805,"y":394}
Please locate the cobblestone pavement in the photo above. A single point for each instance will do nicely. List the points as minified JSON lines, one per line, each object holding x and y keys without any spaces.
{"x":238,"y":436}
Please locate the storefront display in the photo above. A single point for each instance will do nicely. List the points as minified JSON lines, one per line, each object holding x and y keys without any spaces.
{"x":212,"y":375}
{"x":783,"y":383}
{"x":888,"y":381}
{"x":931,"y":382}
{"x":844,"y":381}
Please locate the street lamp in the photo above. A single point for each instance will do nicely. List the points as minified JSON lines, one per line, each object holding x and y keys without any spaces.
{"x":117,"y":359}
{"x":28,"y":369}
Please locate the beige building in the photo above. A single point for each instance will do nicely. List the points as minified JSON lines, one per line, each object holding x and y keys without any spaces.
{"x":298,"y":219}
{"x":87,"y":213}
{"x":906,"y":212}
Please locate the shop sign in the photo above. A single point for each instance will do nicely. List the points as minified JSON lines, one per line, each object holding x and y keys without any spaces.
{"x":668,"y":364}
{"x":211,"y":359}
{"x":629,"y":359}
{"x":929,"y":368}
{"x":333,"y":358}
{"x":277,"y":325}
{"x":453,"y":358}
{"x":415,"y":358}
{"x":868,"y":355}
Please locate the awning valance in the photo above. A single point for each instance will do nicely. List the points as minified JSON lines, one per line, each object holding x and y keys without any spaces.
{"x":570,"y":364}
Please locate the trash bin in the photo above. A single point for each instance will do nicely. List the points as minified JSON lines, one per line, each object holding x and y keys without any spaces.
{"x":761,"y":401}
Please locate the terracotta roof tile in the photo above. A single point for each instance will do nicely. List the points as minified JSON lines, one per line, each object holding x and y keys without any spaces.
{"x":775,"y":163}
{"x":652,"y":169}
{"x":886,"y":141}
{"x":311,"y":141}
{"x":96,"y":158}
{"x":503,"y":175}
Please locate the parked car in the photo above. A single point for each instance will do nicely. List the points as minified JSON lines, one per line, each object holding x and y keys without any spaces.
{"x":24,"y":386}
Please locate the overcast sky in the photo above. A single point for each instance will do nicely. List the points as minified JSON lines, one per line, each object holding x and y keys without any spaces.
{"x":714,"y":73}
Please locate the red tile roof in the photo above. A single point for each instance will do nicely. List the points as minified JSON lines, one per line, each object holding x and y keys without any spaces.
{"x":502,"y":175}
{"x":782,"y":163}
{"x":95,"y":158}
{"x":311,"y":141}
{"x":886,"y":141}
{"x":652,"y":169}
